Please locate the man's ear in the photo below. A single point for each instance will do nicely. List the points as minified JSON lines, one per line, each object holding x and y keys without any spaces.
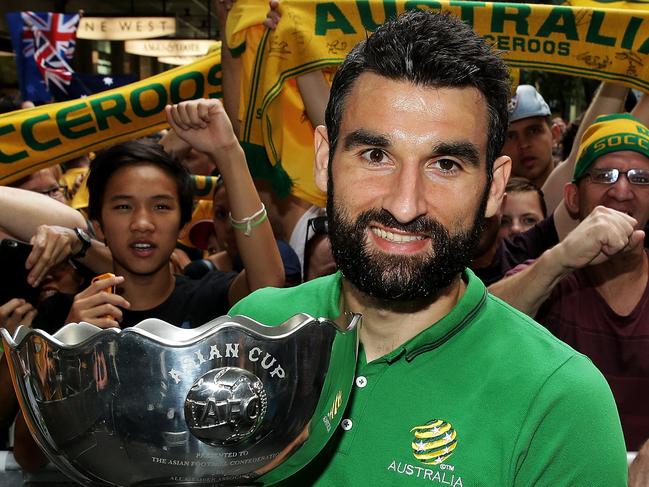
{"x":555,"y":129}
{"x":501,"y":170}
{"x":321,"y":142}
{"x":571,"y":199}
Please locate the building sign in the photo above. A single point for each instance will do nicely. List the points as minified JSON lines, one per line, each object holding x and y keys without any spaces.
{"x":169,"y":47}
{"x":123,"y":28}
{"x":177,"y":60}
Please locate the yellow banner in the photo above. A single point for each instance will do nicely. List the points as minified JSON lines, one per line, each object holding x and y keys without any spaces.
{"x":39,"y":137}
{"x":204,"y":186}
{"x":630,"y":5}
{"x":603,"y":44}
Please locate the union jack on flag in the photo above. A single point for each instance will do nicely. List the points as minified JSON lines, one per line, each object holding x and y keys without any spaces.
{"x":44,"y":43}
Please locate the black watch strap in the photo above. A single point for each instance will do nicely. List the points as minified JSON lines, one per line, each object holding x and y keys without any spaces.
{"x":85,"y":243}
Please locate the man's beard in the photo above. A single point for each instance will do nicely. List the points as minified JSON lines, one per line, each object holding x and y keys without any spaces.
{"x":393,"y":279}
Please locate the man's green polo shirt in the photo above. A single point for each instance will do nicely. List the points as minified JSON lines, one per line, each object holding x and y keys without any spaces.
{"x":483,"y":397}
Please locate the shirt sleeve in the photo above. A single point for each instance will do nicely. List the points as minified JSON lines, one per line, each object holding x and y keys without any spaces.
{"x":260,"y":305}
{"x":572,"y":434}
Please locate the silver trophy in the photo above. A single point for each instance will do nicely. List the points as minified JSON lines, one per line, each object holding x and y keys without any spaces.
{"x":233,"y":402}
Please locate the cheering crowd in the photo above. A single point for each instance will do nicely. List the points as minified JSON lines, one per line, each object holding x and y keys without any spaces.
{"x":441,"y":186}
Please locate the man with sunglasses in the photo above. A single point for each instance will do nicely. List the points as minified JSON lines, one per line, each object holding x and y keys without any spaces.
{"x":591,"y":289}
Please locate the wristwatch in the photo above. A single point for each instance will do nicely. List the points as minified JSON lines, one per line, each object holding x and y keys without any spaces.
{"x":85,"y":243}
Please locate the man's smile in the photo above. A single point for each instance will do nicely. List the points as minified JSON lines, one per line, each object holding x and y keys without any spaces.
{"x":394,"y":241}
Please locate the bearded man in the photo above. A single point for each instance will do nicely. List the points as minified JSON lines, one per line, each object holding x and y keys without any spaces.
{"x":452,"y":386}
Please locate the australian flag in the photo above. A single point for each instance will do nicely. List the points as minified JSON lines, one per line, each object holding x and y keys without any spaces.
{"x":44,"y":44}
{"x":95,"y":83}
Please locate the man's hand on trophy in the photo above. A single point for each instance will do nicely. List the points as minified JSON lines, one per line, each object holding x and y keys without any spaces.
{"x":51,"y":245}
{"x":97,"y":306}
{"x":205,"y":126}
{"x":16,"y":312}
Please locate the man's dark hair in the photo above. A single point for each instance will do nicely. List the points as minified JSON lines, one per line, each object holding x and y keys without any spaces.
{"x":131,"y":153}
{"x":429,"y":49}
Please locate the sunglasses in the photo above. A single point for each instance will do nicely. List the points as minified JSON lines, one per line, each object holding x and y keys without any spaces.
{"x":610,"y":176}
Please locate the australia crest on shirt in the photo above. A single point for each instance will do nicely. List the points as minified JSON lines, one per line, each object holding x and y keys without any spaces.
{"x":432,"y":444}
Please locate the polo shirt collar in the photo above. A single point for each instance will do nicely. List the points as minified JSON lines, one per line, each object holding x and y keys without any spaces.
{"x":467,"y":308}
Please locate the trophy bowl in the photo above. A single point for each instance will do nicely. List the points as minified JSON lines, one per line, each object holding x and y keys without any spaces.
{"x":233,"y":402}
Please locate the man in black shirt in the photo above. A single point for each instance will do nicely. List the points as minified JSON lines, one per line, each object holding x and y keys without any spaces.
{"x":141,"y":199}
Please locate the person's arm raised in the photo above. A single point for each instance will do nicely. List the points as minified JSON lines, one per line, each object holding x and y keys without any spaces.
{"x":641,"y":111}
{"x":313,"y":86}
{"x":608,"y":99}
{"x":314,"y":91}
{"x":602,"y":234}
{"x":230,"y":67}
{"x":206,"y":127}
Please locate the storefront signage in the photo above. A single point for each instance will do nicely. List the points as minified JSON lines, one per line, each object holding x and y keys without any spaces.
{"x":169,"y":47}
{"x":124,"y":28}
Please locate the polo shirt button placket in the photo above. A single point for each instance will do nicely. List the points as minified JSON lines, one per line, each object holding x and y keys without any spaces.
{"x":346,"y":424}
{"x":361,"y":381}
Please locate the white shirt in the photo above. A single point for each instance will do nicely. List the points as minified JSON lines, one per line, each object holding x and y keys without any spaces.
{"x":298,"y":236}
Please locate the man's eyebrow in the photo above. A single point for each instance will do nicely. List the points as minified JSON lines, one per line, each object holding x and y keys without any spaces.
{"x":535,"y":125}
{"x":130,"y":197}
{"x":362,"y":137}
{"x":462,"y":150}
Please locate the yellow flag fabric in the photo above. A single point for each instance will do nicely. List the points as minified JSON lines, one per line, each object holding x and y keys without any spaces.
{"x":39,"y":137}
{"x":70,"y":179}
{"x":600,"y":43}
{"x":204,"y":186}
{"x":290,"y":147}
{"x":630,"y":5}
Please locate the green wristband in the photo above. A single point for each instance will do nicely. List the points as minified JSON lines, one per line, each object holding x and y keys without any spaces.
{"x":247,"y":224}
